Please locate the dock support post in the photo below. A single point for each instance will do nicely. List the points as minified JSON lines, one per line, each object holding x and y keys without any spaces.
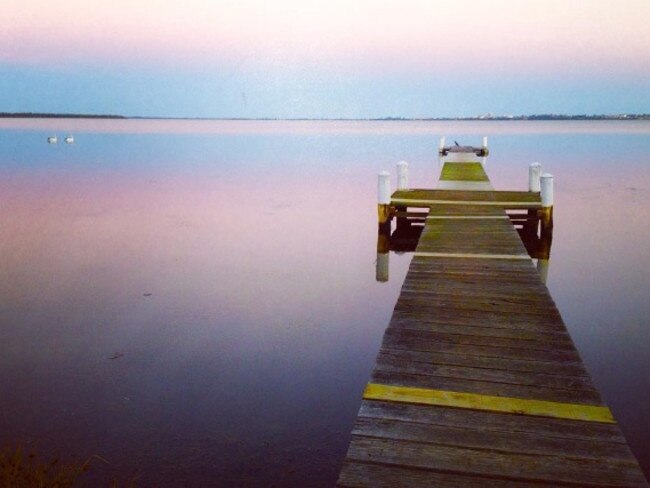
{"x":383,"y":197}
{"x":544,"y":251}
{"x":402,"y":184}
{"x":546,"y":189}
{"x":485,"y":151}
{"x":441,"y":146}
{"x":534,"y":173}
{"x":402,"y":175}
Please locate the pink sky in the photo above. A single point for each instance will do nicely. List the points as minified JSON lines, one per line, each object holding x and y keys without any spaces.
{"x":335,"y":58}
{"x":416,"y":35}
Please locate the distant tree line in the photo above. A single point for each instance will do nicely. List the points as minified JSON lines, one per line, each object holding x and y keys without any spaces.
{"x":532,"y":117}
{"x":478,"y":117}
{"x":23,"y":115}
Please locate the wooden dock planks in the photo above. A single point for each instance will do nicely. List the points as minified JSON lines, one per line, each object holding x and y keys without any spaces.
{"x":477,"y":382}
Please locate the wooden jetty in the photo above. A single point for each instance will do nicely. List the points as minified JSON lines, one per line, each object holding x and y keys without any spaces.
{"x":477,"y":382}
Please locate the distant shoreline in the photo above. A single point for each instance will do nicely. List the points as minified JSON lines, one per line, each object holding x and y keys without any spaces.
{"x":35,"y":115}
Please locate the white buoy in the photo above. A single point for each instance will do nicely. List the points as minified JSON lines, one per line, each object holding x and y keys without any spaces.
{"x":534,"y":173}
{"x":402,"y":175}
{"x":52,"y":139}
{"x":69,"y":140}
{"x":383,"y":197}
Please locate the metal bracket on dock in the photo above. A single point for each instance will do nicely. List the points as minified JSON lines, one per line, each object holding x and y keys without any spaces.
{"x":479,"y":151}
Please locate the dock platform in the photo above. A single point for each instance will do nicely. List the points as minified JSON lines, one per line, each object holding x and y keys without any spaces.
{"x":477,"y":382}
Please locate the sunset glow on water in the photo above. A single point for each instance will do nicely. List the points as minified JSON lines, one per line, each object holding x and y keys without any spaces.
{"x":195,"y":301}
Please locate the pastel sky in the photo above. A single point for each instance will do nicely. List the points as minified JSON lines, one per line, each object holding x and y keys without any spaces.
{"x":334,"y":58}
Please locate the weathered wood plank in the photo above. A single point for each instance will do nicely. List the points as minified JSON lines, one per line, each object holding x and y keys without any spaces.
{"x":469,"y":210}
{"x":463,"y":172}
{"x":485,"y":420}
{"x":412,"y":342}
{"x":424,"y":322}
{"x":525,"y":467}
{"x":452,"y":358}
{"x":390,"y":363}
{"x":478,"y":438}
{"x":477,"y":382}
{"x":493,"y":388}
{"x":463,"y":314}
{"x":369,"y":475}
{"x":477,"y":339}
{"x":468,"y":195}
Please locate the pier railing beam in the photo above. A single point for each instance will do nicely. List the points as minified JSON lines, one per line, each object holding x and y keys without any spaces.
{"x":383,"y":198}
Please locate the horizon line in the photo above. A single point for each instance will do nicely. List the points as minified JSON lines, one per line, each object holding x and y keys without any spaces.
{"x":486,"y":117}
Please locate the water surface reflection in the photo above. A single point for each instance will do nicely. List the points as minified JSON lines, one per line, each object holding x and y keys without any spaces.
{"x":194,"y":307}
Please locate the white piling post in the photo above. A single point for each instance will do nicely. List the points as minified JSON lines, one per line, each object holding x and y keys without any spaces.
{"x":383,"y":197}
{"x":485,"y":151}
{"x":441,"y":146}
{"x":534,"y":173}
{"x":546,"y":190}
{"x":402,"y":175}
{"x":383,"y":188}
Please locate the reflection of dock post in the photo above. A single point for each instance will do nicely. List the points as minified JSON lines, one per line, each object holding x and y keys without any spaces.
{"x":383,"y":198}
{"x":383,"y":248}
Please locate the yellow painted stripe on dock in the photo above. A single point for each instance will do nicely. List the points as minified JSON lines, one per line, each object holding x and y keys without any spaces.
{"x":521,"y":406}
{"x":416,"y":201}
{"x":468,"y":217}
{"x":470,"y":255}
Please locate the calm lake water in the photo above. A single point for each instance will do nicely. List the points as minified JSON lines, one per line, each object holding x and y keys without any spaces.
{"x":195,"y":301}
